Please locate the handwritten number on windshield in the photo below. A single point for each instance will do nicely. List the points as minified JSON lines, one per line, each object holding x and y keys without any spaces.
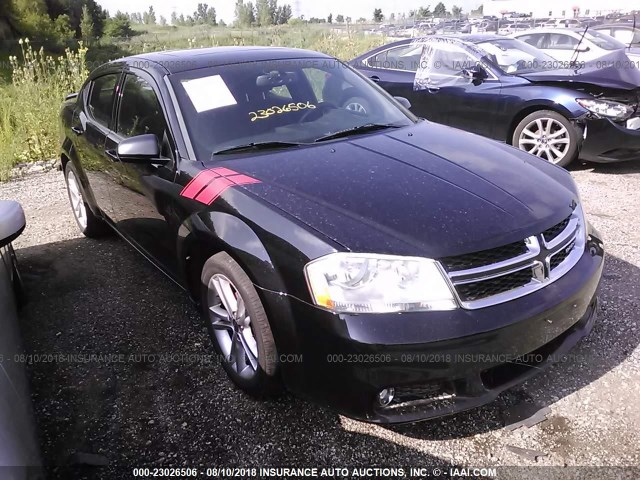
{"x":291,"y":107}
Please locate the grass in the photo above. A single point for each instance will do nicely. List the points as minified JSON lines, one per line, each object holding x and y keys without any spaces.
{"x":33,"y":85}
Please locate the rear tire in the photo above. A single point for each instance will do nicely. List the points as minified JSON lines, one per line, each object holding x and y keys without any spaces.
{"x":89,"y":224}
{"x":238,"y":326}
{"x":548,"y":135}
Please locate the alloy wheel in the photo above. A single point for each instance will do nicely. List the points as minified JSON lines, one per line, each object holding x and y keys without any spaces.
{"x":546,"y":138}
{"x":77,"y":202}
{"x":231,"y":324}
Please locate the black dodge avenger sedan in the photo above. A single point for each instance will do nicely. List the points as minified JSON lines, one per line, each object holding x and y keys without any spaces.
{"x":392,"y":268}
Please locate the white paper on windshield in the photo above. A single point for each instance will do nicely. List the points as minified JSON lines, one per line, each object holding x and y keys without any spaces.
{"x":208,"y":93}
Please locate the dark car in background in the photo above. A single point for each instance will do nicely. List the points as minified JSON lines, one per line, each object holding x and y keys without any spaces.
{"x":393,"y":268}
{"x":509,"y":91}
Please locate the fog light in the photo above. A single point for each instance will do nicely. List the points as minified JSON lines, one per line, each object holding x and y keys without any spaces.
{"x":385,"y":397}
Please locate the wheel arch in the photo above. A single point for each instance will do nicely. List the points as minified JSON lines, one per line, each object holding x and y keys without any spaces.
{"x":528,"y":110}
{"x":205,"y":234}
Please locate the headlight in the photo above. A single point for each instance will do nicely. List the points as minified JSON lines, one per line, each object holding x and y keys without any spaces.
{"x":607,"y":108}
{"x":368,"y":283}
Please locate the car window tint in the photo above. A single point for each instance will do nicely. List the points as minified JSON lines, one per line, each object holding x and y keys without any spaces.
{"x":534,"y":40}
{"x":558,"y":41}
{"x":327,"y":87}
{"x":406,"y":57}
{"x":100,"y":103}
{"x":140,"y":111}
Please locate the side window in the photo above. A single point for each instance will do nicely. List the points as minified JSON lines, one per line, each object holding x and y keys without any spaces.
{"x":447,"y":66}
{"x":625,"y":36}
{"x":532,"y":39}
{"x":100,"y":102}
{"x":140,"y":110}
{"x":406,"y":57}
{"x":558,"y":41}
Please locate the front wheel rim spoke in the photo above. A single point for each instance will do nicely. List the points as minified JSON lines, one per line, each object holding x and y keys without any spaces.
{"x":253,"y":359}
{"x":225,"y":292}
{"x":220,"y":319}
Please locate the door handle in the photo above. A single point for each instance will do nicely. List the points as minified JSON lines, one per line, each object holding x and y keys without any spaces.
{"x":375,"y":78}
{"x":77,"y":130}
{"x":113,"y":156}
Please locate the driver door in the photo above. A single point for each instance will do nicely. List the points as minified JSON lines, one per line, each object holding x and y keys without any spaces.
{"x":141,"y":195}
{"x":451,"y":96}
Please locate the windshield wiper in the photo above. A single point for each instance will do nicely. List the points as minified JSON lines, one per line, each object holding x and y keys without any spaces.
{"x":367,"y":127}
{"x":258,"y":146}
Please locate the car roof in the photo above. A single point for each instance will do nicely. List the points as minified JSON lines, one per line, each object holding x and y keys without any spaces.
{"x":176,"y":61}
{"x":615,"y":25}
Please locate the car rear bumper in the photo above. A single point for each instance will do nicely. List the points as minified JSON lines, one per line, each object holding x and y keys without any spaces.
{"x":438,"y":363}
{"x":606,"y":141}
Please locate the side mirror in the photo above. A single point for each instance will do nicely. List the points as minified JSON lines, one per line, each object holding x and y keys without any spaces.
{"x":12,"y":221}
{"x":404,"y":102}
{"x":142,"y":148}
{"x":475,"y":73}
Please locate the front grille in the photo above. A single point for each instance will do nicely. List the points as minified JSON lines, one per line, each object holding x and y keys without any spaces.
{"x":469,"y":292}
{"x":407,"y":393}
{"x":501,"y":274}
{"x":556,"y":230}
{"x":561,"y":256}
{"x":485,"y":257}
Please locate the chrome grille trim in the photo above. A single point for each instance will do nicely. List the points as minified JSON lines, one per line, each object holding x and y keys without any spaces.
{"x":537,"y":259}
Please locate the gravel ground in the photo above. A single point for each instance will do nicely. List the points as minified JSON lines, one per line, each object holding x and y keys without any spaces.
{"x":101,"y":297}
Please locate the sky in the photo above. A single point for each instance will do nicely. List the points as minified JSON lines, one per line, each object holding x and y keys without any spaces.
{"x":309,"y":8}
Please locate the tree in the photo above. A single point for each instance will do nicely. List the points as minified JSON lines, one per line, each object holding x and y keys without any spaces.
{"x":200,"y":15}
{"x":283,"y":14}
{"x":149,"y":17}
{"x":340,"y":18}
{"x":377,"y":15}
{"x":205,"y":15}
{"x":440,"y":11}
{"x":86,"y":26}
{"x":174,"y":18}
{"x":456,"y":11}
{"x":347,"y":20}
{"x":392,"y":17}
{"x":424,"y":12}
{"x":330,"y":18}
{"x":163,"y":21}
{"x":245,"y":15}
{"x":119,"y":26}
{"x":264,"y":12}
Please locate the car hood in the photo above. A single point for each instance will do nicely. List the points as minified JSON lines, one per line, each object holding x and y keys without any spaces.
{"x":614,"y":70}
{"x":425,"y":190}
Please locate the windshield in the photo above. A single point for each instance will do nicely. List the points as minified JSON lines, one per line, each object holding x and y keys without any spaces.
{"x":516,"y":57}
{"x":279,"y":102}
{"x":603,"y":40}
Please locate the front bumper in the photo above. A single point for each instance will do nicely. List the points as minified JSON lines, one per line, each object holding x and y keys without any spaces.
{"x":606,"y":141}
{"x":438,"y":363}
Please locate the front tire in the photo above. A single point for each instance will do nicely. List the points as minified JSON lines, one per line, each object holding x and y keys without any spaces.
{"x":90,"y":225}
{"x":239,"y":327}
{"x":547,"y":135}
